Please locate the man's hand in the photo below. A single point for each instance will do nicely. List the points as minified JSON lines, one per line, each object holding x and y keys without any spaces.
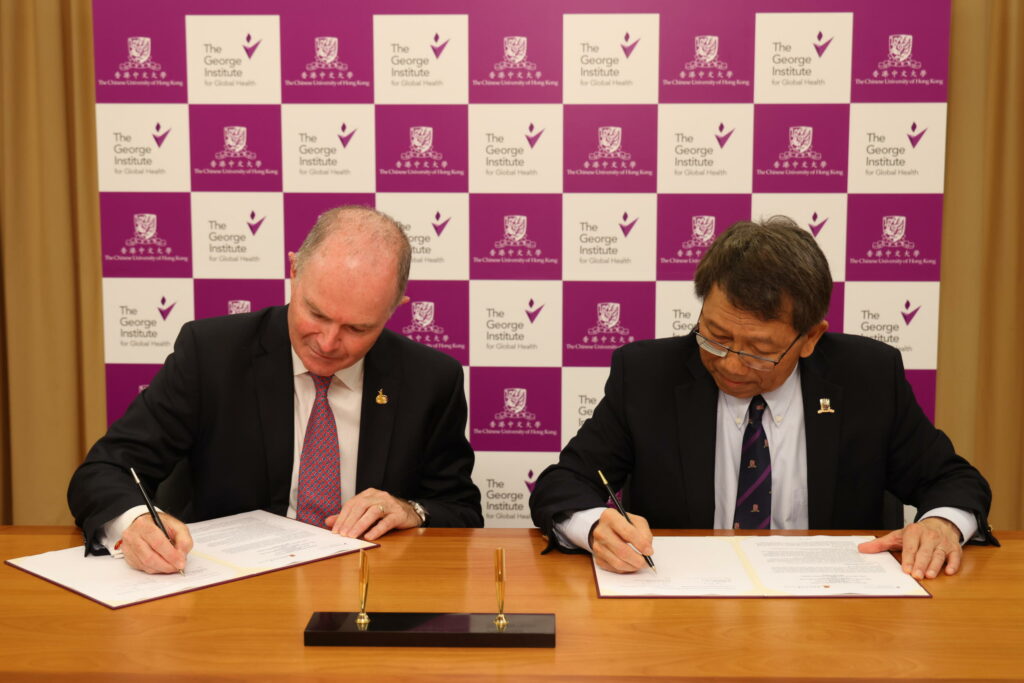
{"x":371,"y":514}
{"x":610,"y":538}
{"x":927,"y":546}
{"x":147,"y":549}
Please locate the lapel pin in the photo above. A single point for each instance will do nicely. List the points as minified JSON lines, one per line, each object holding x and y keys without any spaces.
{"x":826,"y":405}
{"x":382,"y":398}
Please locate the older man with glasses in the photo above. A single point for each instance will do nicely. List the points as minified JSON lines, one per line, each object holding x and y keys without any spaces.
{"x":760,"y":419}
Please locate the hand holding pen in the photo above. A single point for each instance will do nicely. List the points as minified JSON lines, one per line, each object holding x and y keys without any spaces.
{"x":621,"y":542}
{"x":154,"y":543}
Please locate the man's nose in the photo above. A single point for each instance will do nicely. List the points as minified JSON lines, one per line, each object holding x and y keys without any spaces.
{"x":733,"y":364}
{"x":331,"y":339}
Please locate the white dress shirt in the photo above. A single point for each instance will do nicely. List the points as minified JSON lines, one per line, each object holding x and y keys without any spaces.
{"x":787,"y":443}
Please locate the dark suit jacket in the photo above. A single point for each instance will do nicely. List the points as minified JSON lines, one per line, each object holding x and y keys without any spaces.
{"x":223,"y":401}
{"x":654,"y":433}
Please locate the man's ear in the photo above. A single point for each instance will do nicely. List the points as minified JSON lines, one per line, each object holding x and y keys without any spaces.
{"x":813,"y":335}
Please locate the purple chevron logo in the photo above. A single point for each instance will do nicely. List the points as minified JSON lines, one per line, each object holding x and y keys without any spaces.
{"x":438,"y":224}
{"x":532,"y":137}
{"x":250,"y":47}
{"x":439,"y":47}
{"x":908,"y":314}
{"x":820,"y":47}
{"x":164,"y":309}
{"x":628,"y":47}
{"x":914,"y":136}
{"x":254,"y":224}
{"x":816,"y":226}
{"x":346,"y":137}
{"x":722,"y":136}
{"x":532,"y":312}
{"x":626,"y":226}
{"x":159,"y":137}
{"x":530,"y":483}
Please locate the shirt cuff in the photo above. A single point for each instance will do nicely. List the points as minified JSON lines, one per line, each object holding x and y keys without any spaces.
{"x":110,"y":534}
{"x":574,"y":531}
{"x":963,"y":520}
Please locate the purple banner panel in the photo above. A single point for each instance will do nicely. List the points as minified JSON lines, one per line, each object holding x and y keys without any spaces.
{"x":688,"y":224}
{"x":707,"y":52}
{"x":801,"y":147}
{"x":599,"y":317}
{"x":611,"y":148}
{"x":139,"y":51}
{"x":515,"y":237}
{"x":923,"y":383}
{"x":302,"y":210}
{"x":236,"y":147}
{"x":422,"y":148}
{"x":515,"y":409}
{"x":327,"y":55}
{"x":124,"y":383}
{"x":228,"y":297}
{"x":515,"y":54}
{"x":901,"y":52}
{"x":437,"y":315}
{"x":893,"y":237}
{"x":146,"y":234}
{"x":836,"y":307}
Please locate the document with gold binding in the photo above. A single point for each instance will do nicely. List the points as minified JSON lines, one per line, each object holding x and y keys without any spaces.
{"x":762,"y":566}
{"x":226,"y":549}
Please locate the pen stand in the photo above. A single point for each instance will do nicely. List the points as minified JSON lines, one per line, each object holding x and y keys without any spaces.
{"x":431,"y":629}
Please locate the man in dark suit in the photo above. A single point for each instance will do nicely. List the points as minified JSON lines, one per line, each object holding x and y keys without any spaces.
{"x":294,"y":409}
{"x":761,"y":419}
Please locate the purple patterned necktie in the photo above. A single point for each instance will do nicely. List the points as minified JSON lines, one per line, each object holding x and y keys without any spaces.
{"x":320,"y":462}
{"x":754,"y":493}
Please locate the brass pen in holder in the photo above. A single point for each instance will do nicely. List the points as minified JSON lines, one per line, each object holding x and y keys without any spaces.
{"x":500,"y":621}
{"x":363,"y":619}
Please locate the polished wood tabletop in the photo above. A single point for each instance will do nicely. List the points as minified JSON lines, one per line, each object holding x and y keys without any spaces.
{"x":972,"y":628}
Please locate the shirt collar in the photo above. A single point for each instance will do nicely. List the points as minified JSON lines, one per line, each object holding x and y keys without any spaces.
{"x":351,"y":377}
{"x":780,"y":401}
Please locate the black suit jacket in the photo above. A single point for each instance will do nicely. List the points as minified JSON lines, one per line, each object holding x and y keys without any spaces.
{"x":654,"y":433}
{"x":223,"y":401}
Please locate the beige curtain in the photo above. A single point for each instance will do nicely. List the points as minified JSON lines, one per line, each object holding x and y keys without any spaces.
{"x":52,"y":396}
{"x":51,"y":361}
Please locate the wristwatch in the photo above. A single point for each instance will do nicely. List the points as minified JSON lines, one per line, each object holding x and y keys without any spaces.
{"x":421,"y":511}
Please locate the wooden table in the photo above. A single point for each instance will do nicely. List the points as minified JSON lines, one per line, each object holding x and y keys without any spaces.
{"x":973,"y":627}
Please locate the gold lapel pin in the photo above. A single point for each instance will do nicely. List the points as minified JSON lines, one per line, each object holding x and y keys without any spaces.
{"x":382,"y":398}
{"x":826,"y":406}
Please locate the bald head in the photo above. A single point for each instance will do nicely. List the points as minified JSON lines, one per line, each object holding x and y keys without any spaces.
{"x":360,"y":239}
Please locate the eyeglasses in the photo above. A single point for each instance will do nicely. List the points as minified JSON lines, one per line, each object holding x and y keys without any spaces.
{"x":750,"y":360}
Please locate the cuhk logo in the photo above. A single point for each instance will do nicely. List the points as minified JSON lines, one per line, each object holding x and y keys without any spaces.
{"x":235,"y":144}
{"x":422,"y":319}
{"x":513,"y":236}
{"x":703,"y":234}
{"x":421,"y":147}
{"x":705,"y":54}
{"x":609,"y":147}
{"x":894,"y":231}
{"x":236,"y":306}
{"x":144,"y":238}
{"x":821,"y":45}
{"x":608,"y":315}
{"x":628,"y":47}
{"x":900,"y":55}
{"x":438,"y":47}
{"x":140,"y":49}
{"x":325,"y":48}
{"x":514,"y":407}
{"x":800,"y":149}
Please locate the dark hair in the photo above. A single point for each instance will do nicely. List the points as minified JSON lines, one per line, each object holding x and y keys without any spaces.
{"x":389,"y":234}
{"x":759,"y":265}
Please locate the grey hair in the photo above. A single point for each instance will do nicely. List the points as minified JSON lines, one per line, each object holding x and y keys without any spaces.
{"x":760,"y":264}
{"x":385,"y":228}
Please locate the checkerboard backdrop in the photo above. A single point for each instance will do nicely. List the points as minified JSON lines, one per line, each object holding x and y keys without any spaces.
{"x":560,"y":167}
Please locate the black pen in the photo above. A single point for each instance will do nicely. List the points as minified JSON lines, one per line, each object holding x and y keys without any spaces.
{"x":152,"y":510}
{"x":618,"y":506}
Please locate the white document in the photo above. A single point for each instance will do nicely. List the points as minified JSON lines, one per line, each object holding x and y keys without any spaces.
{"x":762,"y":566}
{"x":225,"y":549}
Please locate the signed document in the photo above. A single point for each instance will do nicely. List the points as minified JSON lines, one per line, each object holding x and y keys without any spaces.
{"x":762,"y":566}
{"x":226,"y":549}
